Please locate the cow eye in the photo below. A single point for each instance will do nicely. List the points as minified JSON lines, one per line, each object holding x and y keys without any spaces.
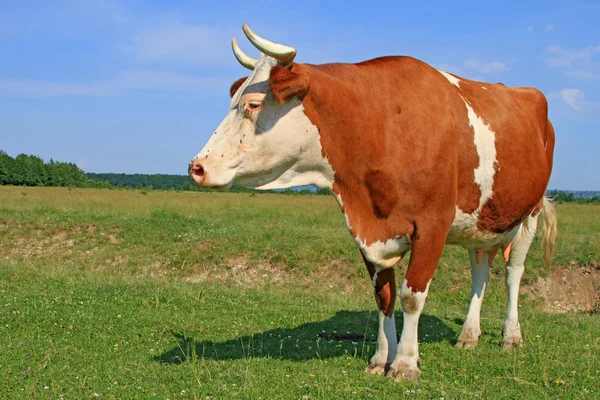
{"x":254,"y":105}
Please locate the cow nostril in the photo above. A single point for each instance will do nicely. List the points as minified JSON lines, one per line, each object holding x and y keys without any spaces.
{"x":197,"y":170}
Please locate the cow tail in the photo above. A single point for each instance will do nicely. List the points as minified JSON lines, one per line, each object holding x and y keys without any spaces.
{"x":549,"y":231}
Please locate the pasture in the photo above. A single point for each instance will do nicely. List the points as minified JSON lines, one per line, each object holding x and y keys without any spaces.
{"x":119,"y":294}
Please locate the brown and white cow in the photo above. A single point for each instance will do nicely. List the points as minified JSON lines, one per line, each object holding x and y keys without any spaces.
{"x":416,"y":157}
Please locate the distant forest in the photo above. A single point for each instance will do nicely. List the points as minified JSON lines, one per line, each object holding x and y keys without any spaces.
{"x":29,"y":170}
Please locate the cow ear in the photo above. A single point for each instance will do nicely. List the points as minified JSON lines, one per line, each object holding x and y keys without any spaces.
{"x":236,"y":85}
{"x":286,"y":84}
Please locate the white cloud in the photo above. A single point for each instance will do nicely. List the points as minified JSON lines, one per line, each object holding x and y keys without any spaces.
{"x":572,"y":97}
{"x":530,"y":29}
{"x":485,"y":67}
{"x":578,"y":63}
{"x":560,"y":56}
{"x":126,"y":81}
{"x":550,"y":28}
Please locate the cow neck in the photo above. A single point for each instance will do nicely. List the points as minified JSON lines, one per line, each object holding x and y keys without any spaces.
{"x":348,"y":133}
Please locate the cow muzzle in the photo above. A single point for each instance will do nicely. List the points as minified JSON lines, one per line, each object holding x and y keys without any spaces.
{"x":197,"y":172}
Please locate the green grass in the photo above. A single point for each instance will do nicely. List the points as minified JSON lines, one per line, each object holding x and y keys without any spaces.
{"x":226,"y":296}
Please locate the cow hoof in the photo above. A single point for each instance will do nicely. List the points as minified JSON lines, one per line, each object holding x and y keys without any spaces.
{"x":404,"y":372}
{"x":375,"y":369}
{"x":512,"y":342}
{"x":468,"y":339}
{"x":466,"y":344}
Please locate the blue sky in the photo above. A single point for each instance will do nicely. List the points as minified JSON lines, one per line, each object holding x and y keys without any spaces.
{"x":132,"y":86}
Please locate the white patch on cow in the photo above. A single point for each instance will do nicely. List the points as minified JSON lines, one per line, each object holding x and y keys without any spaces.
{"x":514,"y":272}
{"x":451,"y":78}
{"x":310,"y":167}
{"x":464,"y":229}
{"x":484,"y":88}
{"x":386,"y":341}
{"x":464,"y":232}
{"x":408,"y":348}
{"x":385,"y":254}
{"x":274,"y":147}
{"x":485,"y":143}
{"x":480,"y":274}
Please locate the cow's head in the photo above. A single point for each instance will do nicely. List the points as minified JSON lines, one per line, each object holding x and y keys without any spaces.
{"x":266,"y":141}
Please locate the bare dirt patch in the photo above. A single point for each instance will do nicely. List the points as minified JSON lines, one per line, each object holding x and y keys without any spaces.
{"x":31,"y":240}
{"x":573,"y":289}
{"x":242,"y":271}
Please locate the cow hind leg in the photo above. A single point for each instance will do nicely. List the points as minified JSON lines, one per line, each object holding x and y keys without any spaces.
{"x":480,"y":274}
{"x":511,"y":333}
{"x":384,"y":285}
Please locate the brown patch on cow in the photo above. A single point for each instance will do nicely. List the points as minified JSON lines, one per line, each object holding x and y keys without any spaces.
{"x":384,"y":287}
{"x":382,"y":191}
{"x":385,"y":291}
{"x":287,"y":83}
{"x":573,"y":289}
{"x":409,"y":303}
{"x":235,"y":86}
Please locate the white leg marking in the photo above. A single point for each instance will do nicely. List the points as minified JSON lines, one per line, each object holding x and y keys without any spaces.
{"x":514,"y":271}
{"x":480,"y":274}
{"x":407,"y":355}
{"x":386,"y":341}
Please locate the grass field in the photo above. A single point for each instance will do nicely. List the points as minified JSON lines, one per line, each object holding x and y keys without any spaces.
{"x":119,"y":294}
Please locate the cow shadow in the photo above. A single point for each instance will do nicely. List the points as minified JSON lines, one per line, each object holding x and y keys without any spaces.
{"x":347,"y":332}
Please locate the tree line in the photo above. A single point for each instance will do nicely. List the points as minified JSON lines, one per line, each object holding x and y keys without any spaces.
{"x":561,"y":196}
{"x":30,"y":170}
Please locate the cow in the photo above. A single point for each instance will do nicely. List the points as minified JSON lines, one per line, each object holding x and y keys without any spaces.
{"x":416,"y":157}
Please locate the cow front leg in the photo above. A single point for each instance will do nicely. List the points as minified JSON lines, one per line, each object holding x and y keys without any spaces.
{"x":384,"y":285}
{"x":426,"y":252}
{"x":511,"y":333}
{"x":480,"y":274}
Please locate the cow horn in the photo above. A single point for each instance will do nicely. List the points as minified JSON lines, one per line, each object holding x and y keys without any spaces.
{"x":242,"y":57}
{"x":285,"y":54}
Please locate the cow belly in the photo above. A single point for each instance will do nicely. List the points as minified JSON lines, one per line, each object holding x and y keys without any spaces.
{"x":464,"y":232}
